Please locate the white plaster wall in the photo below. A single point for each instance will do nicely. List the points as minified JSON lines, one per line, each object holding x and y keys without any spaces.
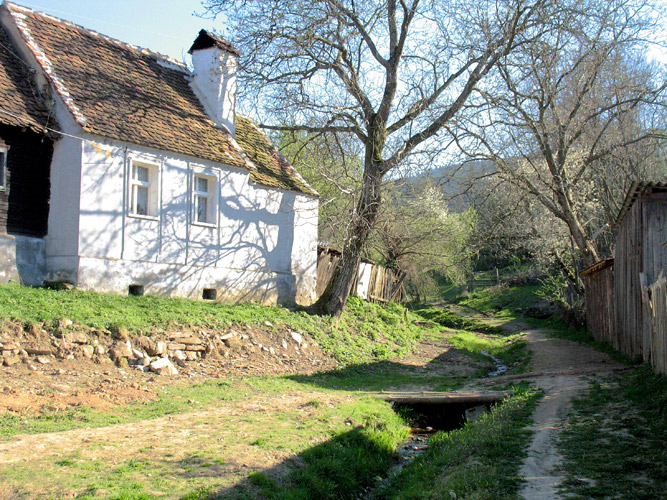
{"x":63,"y":228}
{"x":263,"y":244}
{"x":364,"y":280}
{"x":304,"y":266}
{"x":22,"y":259}
{"x":214,"y":83}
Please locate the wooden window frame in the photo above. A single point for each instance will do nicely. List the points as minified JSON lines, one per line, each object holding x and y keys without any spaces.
{"x":210,"y":195}
{"x":3,"y":167}
{"x":151,"y":187}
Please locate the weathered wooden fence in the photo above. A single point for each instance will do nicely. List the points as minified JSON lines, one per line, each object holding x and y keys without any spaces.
{"x":655,"y":306}
{"x":599,"y":284}
{"x":373,"y":282}
{"x":483,"y":279}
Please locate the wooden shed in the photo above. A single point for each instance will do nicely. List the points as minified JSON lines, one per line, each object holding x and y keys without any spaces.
{"x":599,"y":283}
{"x":640,"y":274}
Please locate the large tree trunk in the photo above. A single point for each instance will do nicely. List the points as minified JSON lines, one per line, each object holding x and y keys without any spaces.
{"x":335,"y":296}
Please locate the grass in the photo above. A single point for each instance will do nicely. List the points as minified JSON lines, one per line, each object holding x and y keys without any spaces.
{"x":457,"y":322}
{"x":480,"y":461}
{"x":339,"y":448}
{"x":510,"y":349}
{"x":340,"y":467}
{"x":614,"y":446}
{"x":502,"y":301}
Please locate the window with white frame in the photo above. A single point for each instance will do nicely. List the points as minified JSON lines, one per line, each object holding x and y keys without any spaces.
{"x":3,"y":168}
{"x":204,"y":199}
{"x":144,"y":189}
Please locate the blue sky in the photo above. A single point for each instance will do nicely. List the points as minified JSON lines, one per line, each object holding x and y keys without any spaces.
{"x":165,"y":26}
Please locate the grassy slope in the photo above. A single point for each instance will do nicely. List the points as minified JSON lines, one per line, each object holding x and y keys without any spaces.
{"x":365,"y":332}
{"x":614,"y":446}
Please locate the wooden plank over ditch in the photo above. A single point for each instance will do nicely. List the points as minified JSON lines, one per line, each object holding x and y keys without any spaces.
{"x":453,"y":397}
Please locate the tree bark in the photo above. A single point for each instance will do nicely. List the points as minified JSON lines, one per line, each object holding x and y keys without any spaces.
{"x":338,"y":290}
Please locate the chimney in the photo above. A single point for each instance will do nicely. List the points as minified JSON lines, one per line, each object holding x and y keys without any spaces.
{"x":214,"y":81}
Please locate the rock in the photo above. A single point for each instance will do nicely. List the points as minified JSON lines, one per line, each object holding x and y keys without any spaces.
{"x":190,"y":340}
{"x":23,"y":353}
{"x":268,"y":323}
{"x":190,"y":355}
{"x":100,"y":349}
{"x":10,"y":360}
{"x":272,"y":350}
{"x":181,"y":363}
{"x":163,"y":366}
{"x":198,"y":347}
{"x":179,"y":355}
{"x":142,"y":368}
{"x":75,"y":338}
{"x":284,"y":344}
{"x":175,"y":346}
{"x":39,"y":351}
{"x":121,"y":350}
{"x":43,"y":360}
{"x":137,"y":353}
{"x":232,"y":342}
{"x":31,"y":367}
{"x":298,"y":338}
{"x":304,"y":346}
{"x":177,"y":335}
{"x":88,"y":351}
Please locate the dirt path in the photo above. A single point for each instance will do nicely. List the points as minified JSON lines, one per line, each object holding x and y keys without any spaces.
{"x":562,"y":369}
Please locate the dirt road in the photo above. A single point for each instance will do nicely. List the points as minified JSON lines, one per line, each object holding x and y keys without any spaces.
{"x":562,"y":369}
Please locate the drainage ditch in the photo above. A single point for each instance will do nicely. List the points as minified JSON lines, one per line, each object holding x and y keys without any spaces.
{"x":427,"y":418}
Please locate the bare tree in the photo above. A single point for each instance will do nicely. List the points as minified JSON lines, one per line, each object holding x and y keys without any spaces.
{"x":569,"y":111}
{"x":393,"y":73}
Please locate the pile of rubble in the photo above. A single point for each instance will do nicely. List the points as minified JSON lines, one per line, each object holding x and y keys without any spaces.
{"x":162,"y":353}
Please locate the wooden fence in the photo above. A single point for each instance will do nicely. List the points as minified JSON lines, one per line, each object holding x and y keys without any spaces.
{"x":483,"y":279}
{"x":600,"y":320}
{"x":373,"y":282}
{"x":654,"y":298}
{"x":649,"y":342}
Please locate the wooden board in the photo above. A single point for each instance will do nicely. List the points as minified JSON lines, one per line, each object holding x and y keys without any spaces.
{"x":453,"y":397}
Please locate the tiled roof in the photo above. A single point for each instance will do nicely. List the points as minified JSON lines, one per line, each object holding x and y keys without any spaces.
{"x":123,"y":92}
{"x":20,"y":105}
{"x":636,"y":190}
{"x":273,"y":169}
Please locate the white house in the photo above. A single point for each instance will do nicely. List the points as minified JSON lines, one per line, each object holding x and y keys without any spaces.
{"x":157,"y":186}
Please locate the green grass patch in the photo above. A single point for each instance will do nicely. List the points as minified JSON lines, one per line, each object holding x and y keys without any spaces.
{"x":509,"y":349}
{"x":501,"y":300}
{"x":457,"y":322}
{"x":480,"y":461}
{"x":340,"y":467}
{"x":368,"y":331}
{"x":383,"y":375}
{"x":614,"y":446}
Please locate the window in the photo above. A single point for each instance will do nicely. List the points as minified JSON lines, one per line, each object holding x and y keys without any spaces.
{"x":143,"y":189}
{"x":3,"y":168}
{"x":204,"y":201}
